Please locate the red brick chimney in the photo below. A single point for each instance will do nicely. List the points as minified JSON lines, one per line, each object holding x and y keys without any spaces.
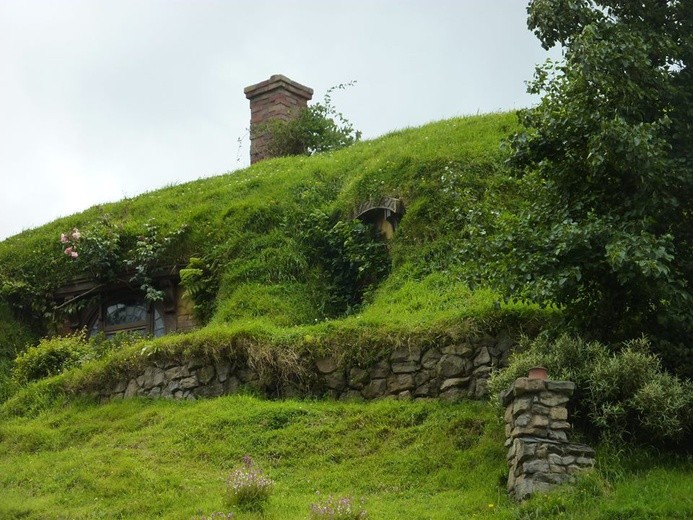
{"x":275,"y":98}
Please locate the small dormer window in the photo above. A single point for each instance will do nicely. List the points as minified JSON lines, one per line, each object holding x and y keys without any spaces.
{"x":384,"y":214}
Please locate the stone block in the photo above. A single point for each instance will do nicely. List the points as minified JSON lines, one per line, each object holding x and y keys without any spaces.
{"x":358,"y":378}
{"x":399,"y":383}
{"x":177,"y":372}
{"x":554,"y":479}
{"x":406,"y":356}
{"x":404,"y":396}
{"x":405,"y":367}
{"x":223,"y":369}
{"x":535,"y":466}
{"x":189,"y":382}
{"x":552,"y":399}
{"x":376,"y":388}
{"x":458,"y":349}
{"x":205,"y":374}
{"x":521,"y":405}
{"x":326,"y":365}
{"x":451,"y":365}
{"x":564,"y":387}
{"x":422,"y":377}
{"x":483,"y":357}
{"x":214,"y":389}
{"x":454,"y":395}
{"x":380,"y":370}
{"x":195,"y":363}
{"x":523,"y":420}
{"x":558,"y":435}
{"x":560,"y":425}
{"x":539,"y":421}
{"x":423,"y":390}
{"x":430,"y":358}
{"x":480,"y":388}
{"x":456,"y":382}
{"x":483,"y":371}
{"x":525,"y":385}
{"x":508,"y":417}
{"x":335,"y":381}
{"x":131,"y":390}
{"x":558,"y":413}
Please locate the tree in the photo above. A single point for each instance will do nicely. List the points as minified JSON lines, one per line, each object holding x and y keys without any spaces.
{"x":607,"y":157}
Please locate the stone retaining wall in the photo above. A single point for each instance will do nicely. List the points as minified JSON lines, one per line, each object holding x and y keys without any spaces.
{"x":536,"y":426}
{"x":452,"y":372}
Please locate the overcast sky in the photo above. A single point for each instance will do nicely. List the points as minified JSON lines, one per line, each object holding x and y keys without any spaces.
{"x":103,"y":99}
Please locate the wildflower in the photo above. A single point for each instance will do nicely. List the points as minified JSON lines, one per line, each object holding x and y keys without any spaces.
{"x":247,"y":487}
{"x":63,"y":238}
{"x":76,"y":234}
{"x":69,"y":251}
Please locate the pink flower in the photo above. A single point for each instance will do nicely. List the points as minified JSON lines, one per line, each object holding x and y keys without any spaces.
{"x":74,"y":254}
{"x":71,"y":252}
{"x":76,"y":234}
{"x":63,"y":238}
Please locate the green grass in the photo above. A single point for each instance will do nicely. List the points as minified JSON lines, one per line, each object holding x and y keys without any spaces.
{"x":64,"y":458}
{"x":427,"y":460}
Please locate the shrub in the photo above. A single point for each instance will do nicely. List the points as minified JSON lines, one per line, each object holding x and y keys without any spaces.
{"x":333,"y":508}
{"x":621,"y":391}
{"x":247,"y":487}
{"x":50,"y":357}
{"x":317,"y":128}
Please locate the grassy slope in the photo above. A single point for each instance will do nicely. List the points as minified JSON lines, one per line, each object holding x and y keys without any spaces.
{"x":270,"y":291}
{"x":409,"y":460}
{"x":423,"y":460}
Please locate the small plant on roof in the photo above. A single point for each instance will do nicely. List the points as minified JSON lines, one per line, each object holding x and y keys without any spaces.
{"x":314,"y":129}
{"x":337,"y":508}
{"x":247,"y":487}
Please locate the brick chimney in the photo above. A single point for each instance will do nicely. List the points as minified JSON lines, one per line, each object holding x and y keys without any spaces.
{"x":275,"y":98}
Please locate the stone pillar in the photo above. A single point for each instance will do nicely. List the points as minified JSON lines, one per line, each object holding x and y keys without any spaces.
{"x":536,"y":426}
{"x":275,"y":98}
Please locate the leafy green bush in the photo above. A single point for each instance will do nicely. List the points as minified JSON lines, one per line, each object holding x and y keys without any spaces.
{"x":621,"y":392}
{"x":317,"y":128}
{"x":50,"y":357}
{"x":354,"y":256}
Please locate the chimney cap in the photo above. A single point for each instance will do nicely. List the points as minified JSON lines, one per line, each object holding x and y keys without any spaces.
{"x":278,"y":81}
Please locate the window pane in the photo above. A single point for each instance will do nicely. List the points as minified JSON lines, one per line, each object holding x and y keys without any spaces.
{"x":159,"y":329}
{"x":123,"y":314}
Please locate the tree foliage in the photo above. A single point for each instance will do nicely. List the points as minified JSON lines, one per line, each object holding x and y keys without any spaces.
{"x":607,"y":158}
{"x":317,"y":128}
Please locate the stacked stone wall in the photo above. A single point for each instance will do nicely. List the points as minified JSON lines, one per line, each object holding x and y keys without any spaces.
{"x":540,"y":455}
{"x":451,"y":372}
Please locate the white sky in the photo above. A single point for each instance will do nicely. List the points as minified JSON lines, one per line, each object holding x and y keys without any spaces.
{"x":103,"y":99}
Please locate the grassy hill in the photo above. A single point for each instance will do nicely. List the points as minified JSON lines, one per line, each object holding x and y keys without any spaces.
{"x":273,"y":276}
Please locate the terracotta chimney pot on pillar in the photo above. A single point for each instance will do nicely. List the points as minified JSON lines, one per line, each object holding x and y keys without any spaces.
{"x":275,"y":98}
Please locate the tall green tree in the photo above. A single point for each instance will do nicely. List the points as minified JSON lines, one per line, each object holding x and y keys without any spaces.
{"x":607,"y":159}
